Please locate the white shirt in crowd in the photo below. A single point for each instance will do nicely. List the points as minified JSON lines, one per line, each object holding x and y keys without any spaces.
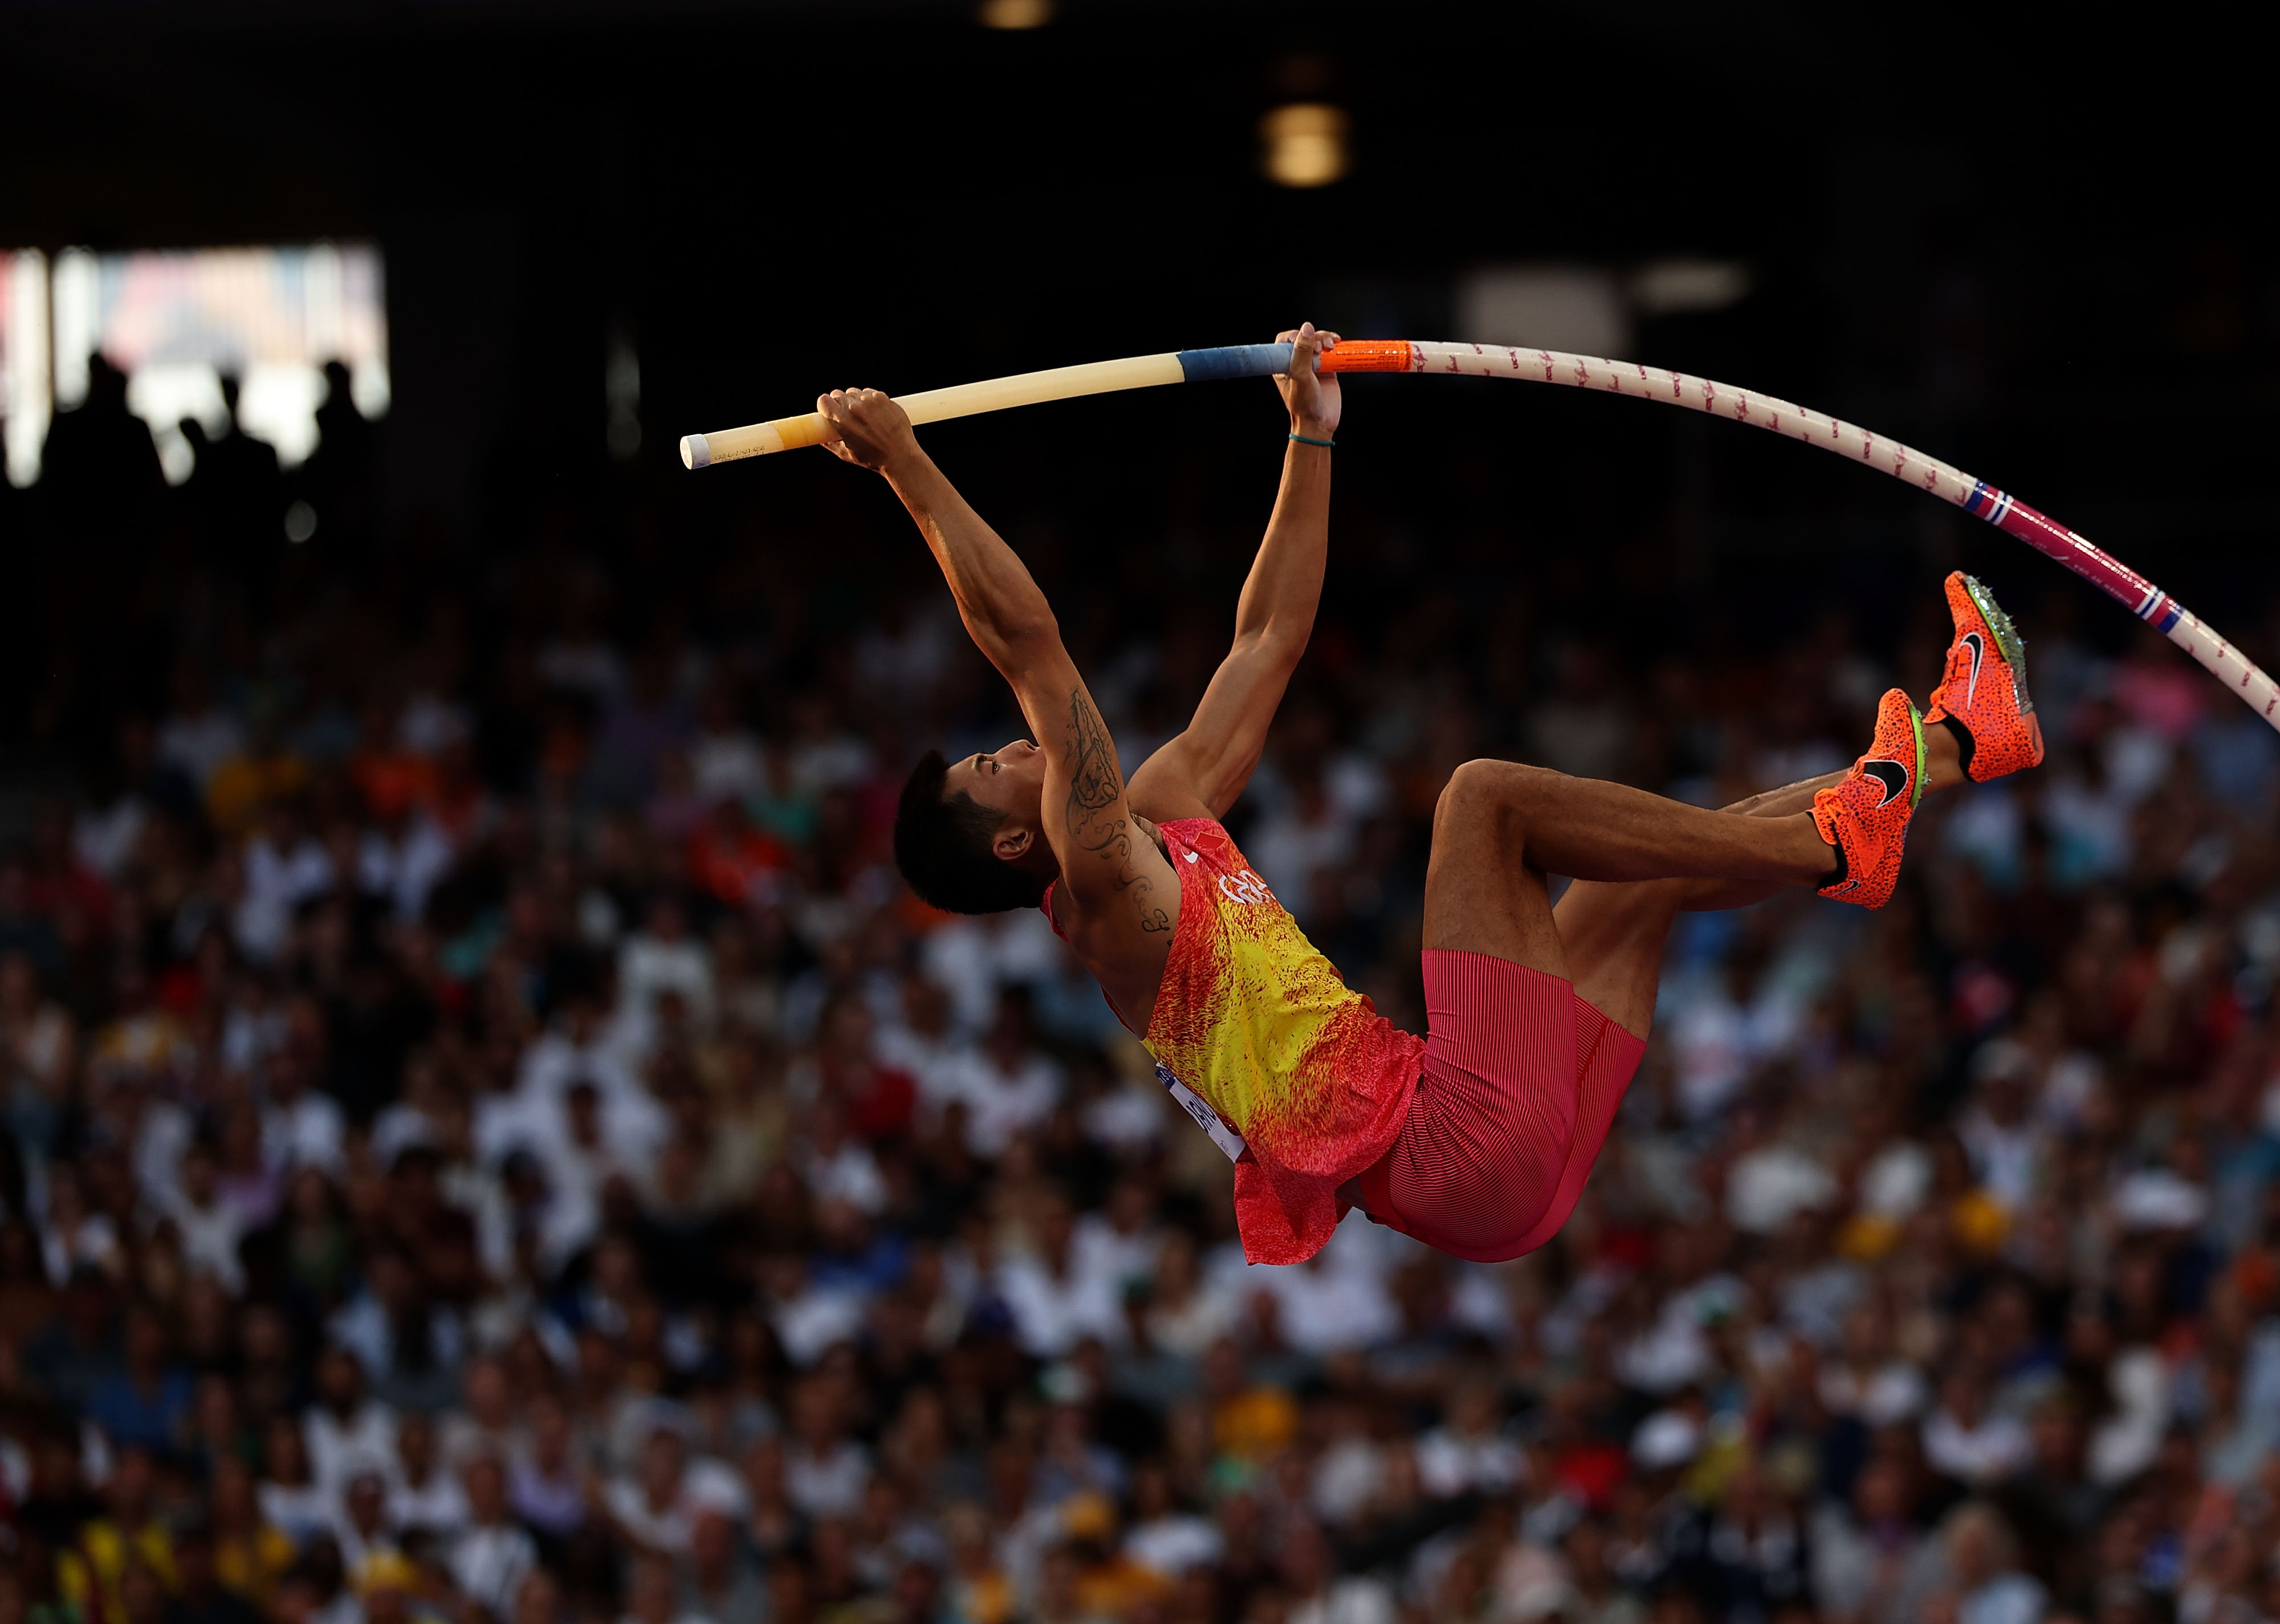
{"x":1716,"y":1042}
{"x":727,"y":765}
{"x":405,"y":869}
{"x":1000,"y":1104}
{"x":2007,"y":1598}
{"x":1669,"y":1354}
{"x":1172,"y":1544}
{"x":649,"y":967}
{"x":850,"y":1174}
{"x":162,"y":1132}
{"x":1347,"y":1476}
{"x":104,"y":838}
{"x":1098,"y":1247}
{"x":1052,"y":1314}
{"x":554,"y":1062}
{"x":933,"y":1065}
{"x":2005,"y":1158}
{"x":439,"y":1503}
{"x":197,"y":745}
{"x":64,"y":1247}
{"x":338,"y":1449}
{"x":210,"y":1237}
{"x":299,"y":1512}
{"x":1769,"y":1185}
{"x":1894,"y":1391}
{"x":1985,"y":1452}
{"x":1449,"y":1464}
{"x":972,"y":957}
{"x":1326,"y":1308}
{"x":829,"y":1483}
{"x":2125,"y":1443}
{"x":489,"y":1564}
{"x":816,"y":1319}
{"x":1356,"y":1600}
{"x":306,"y":1132}
{"x":1896,"y":1180}
{"x":667,"y":1529}
{"x":276,"y":883}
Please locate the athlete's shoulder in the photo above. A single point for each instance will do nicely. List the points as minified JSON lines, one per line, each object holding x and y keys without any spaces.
{"x":1200,"y":834}
{"x":1199,"y":841}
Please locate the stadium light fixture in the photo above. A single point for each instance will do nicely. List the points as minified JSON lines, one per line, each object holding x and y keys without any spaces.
{"x":1014,"y":13}
{"x":1304,"y":144}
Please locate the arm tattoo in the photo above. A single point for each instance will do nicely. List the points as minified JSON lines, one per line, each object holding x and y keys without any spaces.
{"x":1094,"y":782}
{"x":1095,"y":787}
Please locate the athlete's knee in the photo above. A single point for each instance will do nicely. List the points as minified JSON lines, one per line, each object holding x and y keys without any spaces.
{"x":1488,"y":791}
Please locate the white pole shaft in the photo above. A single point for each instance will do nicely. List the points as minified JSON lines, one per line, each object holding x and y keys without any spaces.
{"x":2223,"y":660}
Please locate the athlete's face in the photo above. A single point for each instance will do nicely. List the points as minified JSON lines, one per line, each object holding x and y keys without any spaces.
{"x":1010,"y":780}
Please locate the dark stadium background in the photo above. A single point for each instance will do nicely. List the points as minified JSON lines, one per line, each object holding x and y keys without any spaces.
{"x":781,"y":197}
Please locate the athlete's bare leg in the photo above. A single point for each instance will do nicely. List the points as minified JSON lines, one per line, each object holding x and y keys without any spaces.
{"x":1501,"y":828}
{"x":1613,"y":935}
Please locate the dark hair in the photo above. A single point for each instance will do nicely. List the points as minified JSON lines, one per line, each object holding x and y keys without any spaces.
{"x":942,"y":846}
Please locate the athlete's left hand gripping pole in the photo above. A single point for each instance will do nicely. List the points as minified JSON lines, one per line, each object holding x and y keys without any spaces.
{"x":1138,"y":371}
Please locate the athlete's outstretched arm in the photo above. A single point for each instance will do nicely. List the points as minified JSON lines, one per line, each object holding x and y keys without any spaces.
{"x":1005,"y":611}
{"x":1205,"y":767}
{"x":1117,"y":882}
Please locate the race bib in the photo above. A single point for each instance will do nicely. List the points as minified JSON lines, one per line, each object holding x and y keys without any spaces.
{"x":1229,"y":1140}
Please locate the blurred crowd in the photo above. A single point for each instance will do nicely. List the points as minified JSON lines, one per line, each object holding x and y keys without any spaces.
{"x":489,"y":1139}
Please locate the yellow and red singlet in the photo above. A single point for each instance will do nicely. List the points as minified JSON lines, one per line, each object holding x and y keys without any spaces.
{"x":1255,"y":1021}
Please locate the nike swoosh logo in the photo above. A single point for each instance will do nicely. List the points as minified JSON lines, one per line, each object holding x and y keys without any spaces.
{"x":1978,"y":646}
{"x":1891,"y":774}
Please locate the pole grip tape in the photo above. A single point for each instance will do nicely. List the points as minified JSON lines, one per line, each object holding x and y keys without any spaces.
{"x":1234,"y":361}
{"x":1354,"y":355}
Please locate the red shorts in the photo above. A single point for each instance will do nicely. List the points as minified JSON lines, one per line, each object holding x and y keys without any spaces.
{"x":1519,"y":1088}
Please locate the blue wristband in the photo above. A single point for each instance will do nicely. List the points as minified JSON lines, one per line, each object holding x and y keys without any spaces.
{"x":1304,"y":439}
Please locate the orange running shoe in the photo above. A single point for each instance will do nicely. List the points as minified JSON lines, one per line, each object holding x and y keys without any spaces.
{"x":1982,"y":697}
{"x":1865,"y":817}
